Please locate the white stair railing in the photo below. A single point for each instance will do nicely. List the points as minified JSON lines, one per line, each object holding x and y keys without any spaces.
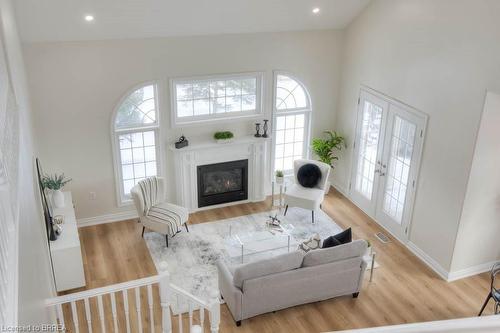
{"x":113,"y":308}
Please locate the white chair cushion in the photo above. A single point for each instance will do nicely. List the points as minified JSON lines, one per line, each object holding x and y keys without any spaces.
{"x":173,"y":216}
{"x":307,"y":198}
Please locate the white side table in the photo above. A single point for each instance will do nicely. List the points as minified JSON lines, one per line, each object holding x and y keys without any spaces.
{"x":280,"y":198}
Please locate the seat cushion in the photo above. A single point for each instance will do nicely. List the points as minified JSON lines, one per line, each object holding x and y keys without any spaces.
{"x":172,"y":215}
{"x":307,"y":198}
{"x":331,"y":254}
{"x":309,"y":175}
{"x":277,"y":264}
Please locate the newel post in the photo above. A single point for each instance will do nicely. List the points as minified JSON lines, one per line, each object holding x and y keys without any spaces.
{"x":164,"y":285}
{"x":214,"y":311}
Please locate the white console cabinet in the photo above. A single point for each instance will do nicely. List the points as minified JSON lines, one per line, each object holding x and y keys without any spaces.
{"x":66,"y":252}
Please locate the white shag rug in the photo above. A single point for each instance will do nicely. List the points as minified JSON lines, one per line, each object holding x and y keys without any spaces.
{"x":191,"y":257}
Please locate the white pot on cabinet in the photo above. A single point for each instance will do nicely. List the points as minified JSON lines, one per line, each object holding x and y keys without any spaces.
{"x":58,"y":198}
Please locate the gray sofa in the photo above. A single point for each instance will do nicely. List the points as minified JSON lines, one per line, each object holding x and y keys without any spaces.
{"x":292,"y":279}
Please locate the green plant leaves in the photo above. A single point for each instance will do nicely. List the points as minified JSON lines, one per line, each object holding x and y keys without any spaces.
{"x":324,"y":148}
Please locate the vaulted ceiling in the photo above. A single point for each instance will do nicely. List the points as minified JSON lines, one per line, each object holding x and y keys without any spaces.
{"x":63,"y":20}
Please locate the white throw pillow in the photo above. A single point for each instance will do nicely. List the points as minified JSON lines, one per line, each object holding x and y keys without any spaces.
{"x":312,"y":243}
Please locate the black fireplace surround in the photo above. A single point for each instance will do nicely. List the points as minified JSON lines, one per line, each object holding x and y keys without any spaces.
{"x":222,"y":182}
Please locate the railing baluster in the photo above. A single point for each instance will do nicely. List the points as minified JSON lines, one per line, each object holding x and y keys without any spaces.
{"x":138,"y":308}
{"x":60,"y":316}
{"x":214,"y":312}
{"x":88,"y":315}
{"x":101,"y":314}
{"x":179,"y":317}
{"x":125,"y":306}
{"x":202,"y":319}
{"x":151,"y":312}
{"x":74,"y":313}
{"x":165,"y":305}
{"x":113,"y":311}
{"x":190,"y":316}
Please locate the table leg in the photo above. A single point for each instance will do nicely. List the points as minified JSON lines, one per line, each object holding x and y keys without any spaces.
{"x":272,"y":195}
{"x":242,"y":253}
{"x":281,"y":195}
{"x":371,"y":266}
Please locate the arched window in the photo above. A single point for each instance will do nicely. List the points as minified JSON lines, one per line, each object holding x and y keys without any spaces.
{"x":135,"y":136}
{"x":292,"y":116}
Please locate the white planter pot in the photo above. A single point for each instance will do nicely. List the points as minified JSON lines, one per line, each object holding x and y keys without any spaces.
{"x":279,"y":180}
{"x":224,"y":140}
{"x":58,"y":198}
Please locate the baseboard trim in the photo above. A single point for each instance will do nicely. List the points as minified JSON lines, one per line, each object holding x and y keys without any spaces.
{"x":107,"y":218}
{"x":339,"y":188}
{"x":474,"y":270}
{"x":433,"y":264}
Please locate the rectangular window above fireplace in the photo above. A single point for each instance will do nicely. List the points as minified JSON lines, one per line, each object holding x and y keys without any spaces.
{"x":222,"y":182}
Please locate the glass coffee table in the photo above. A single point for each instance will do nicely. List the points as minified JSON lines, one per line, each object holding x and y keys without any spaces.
{"x":269,"y":238}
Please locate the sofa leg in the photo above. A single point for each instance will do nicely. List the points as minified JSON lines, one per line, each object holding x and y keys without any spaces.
{"x":355,"y":295}
{"x":166,"y":240}
{"x":186,"y":225}
{"x":312,"y":215}
{"x":143,"y":228}
{"x":286,"y":210}
{"x":238,"y":323}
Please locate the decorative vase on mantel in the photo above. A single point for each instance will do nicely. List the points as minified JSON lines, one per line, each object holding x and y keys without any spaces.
{"x":58,"y":198}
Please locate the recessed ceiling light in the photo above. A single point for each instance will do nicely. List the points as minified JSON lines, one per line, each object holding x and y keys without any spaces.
{"x":315,"y":10}
{"x":89,"y":18}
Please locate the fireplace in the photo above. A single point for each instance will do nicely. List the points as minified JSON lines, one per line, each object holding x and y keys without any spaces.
{"x":222,"y":182}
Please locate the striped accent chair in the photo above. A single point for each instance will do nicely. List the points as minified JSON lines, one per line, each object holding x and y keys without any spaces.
{"x":154,"y":212}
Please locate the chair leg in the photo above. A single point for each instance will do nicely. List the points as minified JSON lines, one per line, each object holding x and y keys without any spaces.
{"x":186,"y":225}
{"x":312,"y":215}
{"x":143,"y":228}
{"x":166,"y":240}
{"x":497,"y":308}
{"x":286,"y":210}
{"x":484,"y":305}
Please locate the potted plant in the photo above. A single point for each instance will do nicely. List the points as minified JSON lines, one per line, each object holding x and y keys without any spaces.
{"x":325,"y":149}
{"x":279,"y":177}
{"x":55,"y":183}
{"x":223,"y":137}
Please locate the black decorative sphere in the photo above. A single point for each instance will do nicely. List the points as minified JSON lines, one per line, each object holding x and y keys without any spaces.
{"x":309,"y":175}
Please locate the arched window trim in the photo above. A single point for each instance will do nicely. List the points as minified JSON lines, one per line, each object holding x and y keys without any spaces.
{"x":122,"y":198}
{"x":308,"y":107}
{"x":306,"y":111}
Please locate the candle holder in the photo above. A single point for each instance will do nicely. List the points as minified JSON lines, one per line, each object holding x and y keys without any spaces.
{"x":265,"y":128}
{"x":257,"y":129}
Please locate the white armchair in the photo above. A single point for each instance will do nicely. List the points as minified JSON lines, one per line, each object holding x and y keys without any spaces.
{"x":154,"y":212}
{"x":308,"y":198}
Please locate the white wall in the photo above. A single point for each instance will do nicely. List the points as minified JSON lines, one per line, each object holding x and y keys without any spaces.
{"x":76,"y":85}
{"x":477,"y":241}
{"x":34,"y":272}
{"x":439,"y":57}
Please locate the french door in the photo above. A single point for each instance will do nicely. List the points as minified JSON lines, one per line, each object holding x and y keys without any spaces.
{"x":388,"y":145}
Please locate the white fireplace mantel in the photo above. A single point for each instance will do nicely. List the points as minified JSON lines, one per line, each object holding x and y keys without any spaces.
{"x":202,"y":152}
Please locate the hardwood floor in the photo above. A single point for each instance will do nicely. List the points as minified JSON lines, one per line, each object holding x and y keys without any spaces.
{"x":404,"y":290}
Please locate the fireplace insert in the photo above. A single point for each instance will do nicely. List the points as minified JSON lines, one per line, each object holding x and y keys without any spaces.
{"x":222,"y":182}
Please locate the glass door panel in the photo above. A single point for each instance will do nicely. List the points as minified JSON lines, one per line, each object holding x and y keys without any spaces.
{"x":367,"y":151}
{"x":398,"y":168}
